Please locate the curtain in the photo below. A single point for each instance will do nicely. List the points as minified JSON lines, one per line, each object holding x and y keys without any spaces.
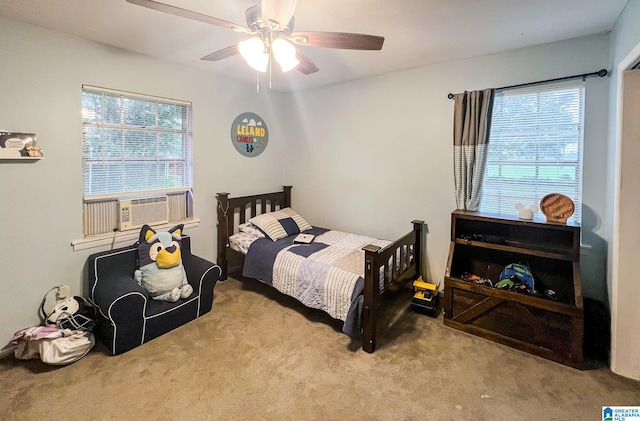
{"x":471,"y":127}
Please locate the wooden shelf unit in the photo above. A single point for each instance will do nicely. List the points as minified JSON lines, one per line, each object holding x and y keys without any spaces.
{"x":483,"y":244}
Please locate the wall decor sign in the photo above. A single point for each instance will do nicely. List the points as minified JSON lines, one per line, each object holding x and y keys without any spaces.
{"x":249,"y":134}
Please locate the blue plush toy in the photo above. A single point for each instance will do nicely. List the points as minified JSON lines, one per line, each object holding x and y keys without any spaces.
{"x":160,"y":260}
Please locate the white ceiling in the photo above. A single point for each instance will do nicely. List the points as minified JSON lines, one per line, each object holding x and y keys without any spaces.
{"x":417,"y":32}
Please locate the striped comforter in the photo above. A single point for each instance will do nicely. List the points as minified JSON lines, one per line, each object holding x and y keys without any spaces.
{"x":326,"y":274}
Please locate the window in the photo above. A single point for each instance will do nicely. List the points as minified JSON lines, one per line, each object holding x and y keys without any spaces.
{"x":133,"y":146}
{"x":535,"y":147}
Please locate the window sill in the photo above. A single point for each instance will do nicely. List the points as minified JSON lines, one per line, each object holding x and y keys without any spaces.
{"x":22,"y":158}
{"x":124,"y":238}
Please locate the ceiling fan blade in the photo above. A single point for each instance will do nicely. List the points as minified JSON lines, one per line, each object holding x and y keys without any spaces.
{"x":177,"y":11}
{"x":305,"y":66}
{"x":276,"y":14}
{"x":222,"y":54}
{"x":338,"y":40}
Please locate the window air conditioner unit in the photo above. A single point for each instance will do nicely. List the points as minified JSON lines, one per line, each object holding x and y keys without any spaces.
{"x":134,"y":213}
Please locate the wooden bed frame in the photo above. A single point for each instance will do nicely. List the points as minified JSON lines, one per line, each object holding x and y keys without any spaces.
{"x":400,"y":261}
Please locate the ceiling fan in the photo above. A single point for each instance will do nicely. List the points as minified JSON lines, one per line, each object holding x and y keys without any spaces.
{"x":270,"y":27}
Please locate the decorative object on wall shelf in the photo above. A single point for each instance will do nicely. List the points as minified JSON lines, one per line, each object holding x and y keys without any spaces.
{"x":526,"y":213}
{"x":557,"y":207}
{"x":249,"y":134}
{"x":19,"y":146}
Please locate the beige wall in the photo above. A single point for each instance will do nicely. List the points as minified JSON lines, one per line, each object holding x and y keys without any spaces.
{"x":374,"y":154}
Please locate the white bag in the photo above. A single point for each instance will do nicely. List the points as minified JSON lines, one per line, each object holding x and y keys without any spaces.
{"x":52,"y":345}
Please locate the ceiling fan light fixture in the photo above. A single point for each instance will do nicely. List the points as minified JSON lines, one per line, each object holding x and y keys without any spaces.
{"x":285,"y":54}
{"x":253,"y":51}
{"x":272,"y":36}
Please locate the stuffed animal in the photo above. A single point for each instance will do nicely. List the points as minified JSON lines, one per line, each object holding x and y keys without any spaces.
{"x":160,"y":260}
{"x":526,"y":213}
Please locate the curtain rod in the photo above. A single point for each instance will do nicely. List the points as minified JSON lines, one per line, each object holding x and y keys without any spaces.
{"x":601,"y":73}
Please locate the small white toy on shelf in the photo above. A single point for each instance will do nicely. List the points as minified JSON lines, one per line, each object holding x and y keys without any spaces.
{"x":526,"y":213}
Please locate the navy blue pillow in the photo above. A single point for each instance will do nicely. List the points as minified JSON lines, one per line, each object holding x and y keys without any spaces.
{"x":289,"y":226}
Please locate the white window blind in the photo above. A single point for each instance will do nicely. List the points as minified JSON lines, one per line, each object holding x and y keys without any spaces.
{"x":134,"y":143}
{"x":535,"y":147}
{"x":134,"y":146}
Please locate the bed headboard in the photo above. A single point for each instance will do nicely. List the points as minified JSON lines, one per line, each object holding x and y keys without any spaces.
{"x":238,"y":210}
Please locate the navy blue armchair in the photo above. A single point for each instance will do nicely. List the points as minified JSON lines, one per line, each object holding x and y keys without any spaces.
{"x":128,"y":317}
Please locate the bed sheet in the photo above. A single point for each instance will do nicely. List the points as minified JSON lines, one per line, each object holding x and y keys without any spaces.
{"x":241,"y":242}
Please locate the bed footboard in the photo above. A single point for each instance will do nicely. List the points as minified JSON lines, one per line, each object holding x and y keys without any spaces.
{"x":386,"y":269}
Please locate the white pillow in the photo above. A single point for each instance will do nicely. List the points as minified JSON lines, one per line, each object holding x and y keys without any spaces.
{"x":280,"y":224}
{"x":249,"y":228}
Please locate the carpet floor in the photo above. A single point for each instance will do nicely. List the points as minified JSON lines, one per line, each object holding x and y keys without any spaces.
{"x":262,"y":356}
